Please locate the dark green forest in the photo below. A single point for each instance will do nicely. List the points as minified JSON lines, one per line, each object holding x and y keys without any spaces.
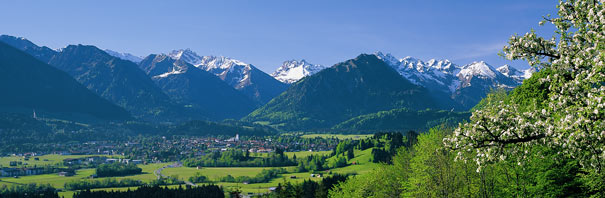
{"x":203,"y":191}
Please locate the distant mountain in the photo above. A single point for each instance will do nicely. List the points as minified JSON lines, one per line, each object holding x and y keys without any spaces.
{"x":124,"y":56}
{"x":119,"y":81}
{"x":246,"y":78}
{"x":465,"y":84}
{"x":41,"y":53}
{"x":355,"y":87}
{"x":519,"y":76}
{"x":193,"y":86}
{"x":293,"y":70}
{"x":28,"y":84}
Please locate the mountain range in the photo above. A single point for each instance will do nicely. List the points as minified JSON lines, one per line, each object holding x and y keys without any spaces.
{"x":29,"y":85}
{"x":465,"y":84}
{"x":244,"y":77}
{"x":355,"y":87}
{"x":196,"y":88}
{"x":182,"y":85}
{"x":380,"y":82}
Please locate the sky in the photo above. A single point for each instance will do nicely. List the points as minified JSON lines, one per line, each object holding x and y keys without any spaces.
{"x":267,"y":32}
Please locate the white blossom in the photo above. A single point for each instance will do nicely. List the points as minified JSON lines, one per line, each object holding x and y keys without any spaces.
{"x":572,"y":117}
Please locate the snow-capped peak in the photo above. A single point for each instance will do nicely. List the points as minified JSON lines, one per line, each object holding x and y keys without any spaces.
{"x":516,"y":74}
{"x":528,"y":72}
{"x":480,"y":68}
{"x":236,"y":73}
{"x":508,"y":70}
{"x":214,"y":64}
{"x":293,"y":70}
{"x":120,"y":55}
{"x":186,"y":55}
{"x":447,"y":76}
{"x":219,"y":62}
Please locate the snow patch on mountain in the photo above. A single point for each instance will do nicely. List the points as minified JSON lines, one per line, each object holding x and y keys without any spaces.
{"x":293,"y":70}
{"x":173,"y":72}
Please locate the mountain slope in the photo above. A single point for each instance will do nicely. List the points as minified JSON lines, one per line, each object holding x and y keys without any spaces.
{"x":293,"y":70}
{"x":41,"y":53}
{"x":359,"y":86}
{"x":192,"y":86}
{"x":27,"y":83}
{"x":119,"y":81}
{"x":402,"y":120}
{"x":246,"y":78}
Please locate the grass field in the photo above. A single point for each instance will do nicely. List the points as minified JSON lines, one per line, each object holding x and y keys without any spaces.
{"x":44,"y":160}
{"x":362,"y":163}
{"x":339,"y":136}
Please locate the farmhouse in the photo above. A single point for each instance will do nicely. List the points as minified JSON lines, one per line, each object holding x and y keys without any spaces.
{"x":66,"y":174}
{"x":11,"y":172}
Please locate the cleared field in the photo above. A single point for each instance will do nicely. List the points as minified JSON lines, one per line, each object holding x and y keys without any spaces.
{"x":338,"y":136}
{"x":43,"y":160}
{"x":300,"y":154}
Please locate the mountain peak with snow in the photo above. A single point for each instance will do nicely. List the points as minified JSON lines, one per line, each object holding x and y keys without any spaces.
{"x":293,"y":70}
{"x":186,"y":55}
{"x":477,"y":68}
{"x":449,"y":77}
{"x":244,"y":77}
{"x":518,"y":75}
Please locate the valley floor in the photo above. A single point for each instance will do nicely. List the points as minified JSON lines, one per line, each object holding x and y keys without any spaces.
{"x":362,"y":165}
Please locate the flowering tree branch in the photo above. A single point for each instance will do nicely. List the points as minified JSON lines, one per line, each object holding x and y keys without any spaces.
{"x":571,"y":118}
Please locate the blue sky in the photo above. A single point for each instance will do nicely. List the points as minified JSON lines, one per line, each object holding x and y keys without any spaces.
{"x":266,"y":33}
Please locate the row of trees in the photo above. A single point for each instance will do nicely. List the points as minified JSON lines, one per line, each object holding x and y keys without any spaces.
{"x":264,"y":176}
{"x":307,"y":188}
{"x":117,"y":169}
{"x":203,"y":191}
{"x":104,"y":183}
{"x":28,"y":191}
